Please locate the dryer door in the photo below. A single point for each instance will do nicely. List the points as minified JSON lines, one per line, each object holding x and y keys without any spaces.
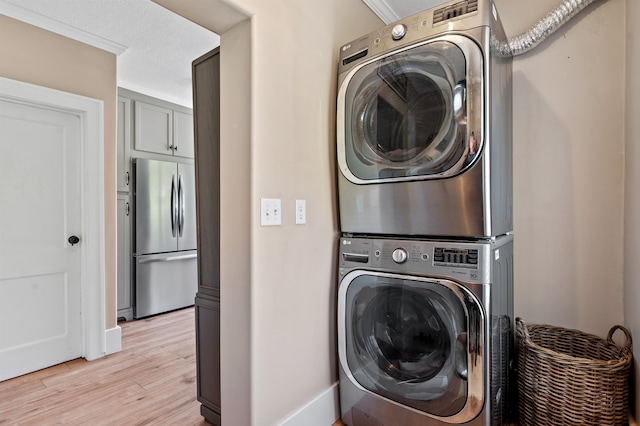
{"x":413,"y":114}
{"x":412,"y":340}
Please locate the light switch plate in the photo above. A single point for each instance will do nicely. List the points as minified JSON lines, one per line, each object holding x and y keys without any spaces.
{"x":270,"y":212}
{"x":301,"y":212}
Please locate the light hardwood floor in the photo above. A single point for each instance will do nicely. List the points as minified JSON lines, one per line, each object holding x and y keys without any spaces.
{"x":151,"y":382}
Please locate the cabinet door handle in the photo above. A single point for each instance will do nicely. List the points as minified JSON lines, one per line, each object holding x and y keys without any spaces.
{"x":126,"y":178}
{"x":127,"y":209}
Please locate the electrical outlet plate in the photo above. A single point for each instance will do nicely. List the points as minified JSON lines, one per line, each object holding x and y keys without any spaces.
{"x":270,"y":212}
{"x":301,"y":212}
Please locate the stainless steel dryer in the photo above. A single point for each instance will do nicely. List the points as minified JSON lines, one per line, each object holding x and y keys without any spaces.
{"x":424,"y":126}
{"x":424,"y":331}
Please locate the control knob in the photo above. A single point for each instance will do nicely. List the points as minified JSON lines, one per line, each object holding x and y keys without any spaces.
{"x":398,"y":32}
{"x":399,"y":255}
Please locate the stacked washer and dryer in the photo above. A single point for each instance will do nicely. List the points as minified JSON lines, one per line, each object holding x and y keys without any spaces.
{"x":425,"y":294}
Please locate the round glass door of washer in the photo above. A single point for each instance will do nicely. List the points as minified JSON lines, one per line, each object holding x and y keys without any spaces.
{"x":409,"y":340}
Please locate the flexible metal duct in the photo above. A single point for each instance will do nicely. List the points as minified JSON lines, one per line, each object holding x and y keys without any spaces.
{"x":546,"y":26}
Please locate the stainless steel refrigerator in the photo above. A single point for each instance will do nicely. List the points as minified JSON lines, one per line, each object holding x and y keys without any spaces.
{"x":165,"y":255}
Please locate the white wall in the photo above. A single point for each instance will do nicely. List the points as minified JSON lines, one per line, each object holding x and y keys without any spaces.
{"x":235,"y":218}
{"x":293,"y":286}
{"x":568,"y":167}
{"x":632,"y":182}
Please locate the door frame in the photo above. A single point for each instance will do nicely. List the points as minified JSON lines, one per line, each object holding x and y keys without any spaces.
{"x":91,"y":114}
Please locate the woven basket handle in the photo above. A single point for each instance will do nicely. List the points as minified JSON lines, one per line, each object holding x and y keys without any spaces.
{"x":521,"y":327}
{"x":627,"y":334}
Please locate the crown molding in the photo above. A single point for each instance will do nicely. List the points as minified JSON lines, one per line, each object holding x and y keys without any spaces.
{"x":55,"y":26}
{"x":383,"y":10}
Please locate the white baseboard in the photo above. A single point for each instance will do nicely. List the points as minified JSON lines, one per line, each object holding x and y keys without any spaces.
{"x":113,"y":338}
{"x":322,"y":410}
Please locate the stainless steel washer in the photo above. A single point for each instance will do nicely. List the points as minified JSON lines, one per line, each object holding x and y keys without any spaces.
{"x":425,"y":331}
{"x":424,"y":127}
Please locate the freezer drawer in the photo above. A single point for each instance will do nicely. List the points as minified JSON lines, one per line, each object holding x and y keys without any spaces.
{"x":165,"y":282}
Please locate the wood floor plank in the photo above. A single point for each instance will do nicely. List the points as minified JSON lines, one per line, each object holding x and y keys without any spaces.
{"x":151,"y":381}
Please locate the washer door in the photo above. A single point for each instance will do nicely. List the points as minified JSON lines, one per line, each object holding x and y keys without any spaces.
{"x":412,"y":114}
{"x":415,"y":341}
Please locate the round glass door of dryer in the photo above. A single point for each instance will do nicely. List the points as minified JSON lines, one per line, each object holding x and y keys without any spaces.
{"x":409,"y":115}
{"x":410,"y":341}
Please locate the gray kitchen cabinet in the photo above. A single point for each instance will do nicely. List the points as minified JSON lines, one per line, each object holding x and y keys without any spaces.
{"x":154,"y":128}
{"x":183,"y":134}
{"x":124,"y":298}
{"x":206,"y":104}
{"x":208,"y":357}
{"x":124,"y":144}
{"x":163,"y":130}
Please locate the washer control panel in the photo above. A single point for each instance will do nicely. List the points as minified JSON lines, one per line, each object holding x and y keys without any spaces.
{"x":415,"y":254}
{"x":463,"y":257}
{"x":469,"y":261}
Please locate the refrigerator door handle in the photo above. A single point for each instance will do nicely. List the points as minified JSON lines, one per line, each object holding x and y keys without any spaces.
{"x":181,"y":203}
{"x":168,"y":259}
{"x":174,"y":205}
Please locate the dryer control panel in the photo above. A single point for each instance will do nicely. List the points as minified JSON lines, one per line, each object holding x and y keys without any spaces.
{"x":430,"y":23}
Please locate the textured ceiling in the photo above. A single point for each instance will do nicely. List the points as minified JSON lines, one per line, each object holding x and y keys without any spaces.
{"x":160,"y":45}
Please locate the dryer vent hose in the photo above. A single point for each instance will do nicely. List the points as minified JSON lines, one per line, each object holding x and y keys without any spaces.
{"x":546,"y":26}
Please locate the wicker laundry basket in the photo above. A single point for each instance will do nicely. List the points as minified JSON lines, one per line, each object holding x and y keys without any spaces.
{"x":567,"y":377}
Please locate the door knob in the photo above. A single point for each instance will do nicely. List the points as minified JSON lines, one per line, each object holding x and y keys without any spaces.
{"x":73,"y":240}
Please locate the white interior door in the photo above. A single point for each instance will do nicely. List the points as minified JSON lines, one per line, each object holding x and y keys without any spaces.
{"x":40,"y":271}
